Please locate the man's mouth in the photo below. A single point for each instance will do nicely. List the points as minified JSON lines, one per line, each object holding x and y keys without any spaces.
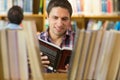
{"x":58,"y":29}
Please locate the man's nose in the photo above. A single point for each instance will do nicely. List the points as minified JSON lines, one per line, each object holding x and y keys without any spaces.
{"x":60,"y":22}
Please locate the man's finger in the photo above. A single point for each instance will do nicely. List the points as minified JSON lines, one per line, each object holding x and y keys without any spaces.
{"x":44,"y":57}
{"x":45,"y":62}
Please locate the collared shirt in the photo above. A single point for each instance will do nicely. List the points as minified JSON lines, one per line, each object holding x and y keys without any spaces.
{"x":67,"y":41}
{"x":13,"y":26}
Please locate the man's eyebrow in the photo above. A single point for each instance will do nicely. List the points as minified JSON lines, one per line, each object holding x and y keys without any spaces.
{"x":66,"y":17}
{"x":54,"y":16}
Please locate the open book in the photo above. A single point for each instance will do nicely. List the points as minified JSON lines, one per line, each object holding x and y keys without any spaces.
{"x":57,"y":56}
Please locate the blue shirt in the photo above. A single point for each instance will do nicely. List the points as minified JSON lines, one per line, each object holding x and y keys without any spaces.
{"x":13,"y":26}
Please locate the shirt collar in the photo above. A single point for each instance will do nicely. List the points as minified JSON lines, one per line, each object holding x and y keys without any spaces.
{"x":13,"y":26}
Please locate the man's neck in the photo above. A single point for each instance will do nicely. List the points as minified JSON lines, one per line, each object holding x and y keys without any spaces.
{"x":56,"y":39}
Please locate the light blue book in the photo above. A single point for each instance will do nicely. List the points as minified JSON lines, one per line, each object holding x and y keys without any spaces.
{"x":28,"y":6}
{"x":117,"y":26}
{"x":74,"y":25}
{"x":99,"y":24}
{"x":104,"y":6}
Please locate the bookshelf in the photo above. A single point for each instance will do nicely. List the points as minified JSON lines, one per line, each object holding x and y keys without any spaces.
{"x":39,"y":19}
{"x":81,"y":19}
{"x":86,"y":18}
{"x":55,"y":76}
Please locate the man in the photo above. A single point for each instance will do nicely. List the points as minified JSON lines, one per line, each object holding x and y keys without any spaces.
{"x":15,"y":17}
{"x":59,"y":16}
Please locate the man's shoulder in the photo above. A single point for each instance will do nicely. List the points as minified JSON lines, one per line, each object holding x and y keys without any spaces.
{"x":13,"y":26}
{"x":42,"y":35}
{"x":70,"y":33}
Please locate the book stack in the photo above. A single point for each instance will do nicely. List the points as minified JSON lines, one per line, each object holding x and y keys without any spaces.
{"x":27,"y":5}
{"x":20,"y":55}
{"x":96,"y":55}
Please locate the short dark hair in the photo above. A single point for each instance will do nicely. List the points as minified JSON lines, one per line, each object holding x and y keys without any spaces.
{"x":15,"y":14}
{"x":59,"y":3}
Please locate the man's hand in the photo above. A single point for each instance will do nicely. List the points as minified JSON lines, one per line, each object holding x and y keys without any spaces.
{"x":64,"y":71}
{"x":44,"y":60}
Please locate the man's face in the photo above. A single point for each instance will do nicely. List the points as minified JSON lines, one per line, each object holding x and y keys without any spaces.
{"x":59,"y":21}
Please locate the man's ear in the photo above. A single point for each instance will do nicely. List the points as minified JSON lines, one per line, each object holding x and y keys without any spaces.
{"x":47,"y":16}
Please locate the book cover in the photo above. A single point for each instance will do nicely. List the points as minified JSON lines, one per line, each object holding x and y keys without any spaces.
{"x":107,"y":56}
{"x":13,"y":54}
{"x":57,"y":56}
{"x":76,"y":53}
{"x":22,"y":55}
{"x":33,"y":50}
{"x":115,"y":58}
{"x":1,"y":61}
{"x":90,"y":53}
{"x":91,"y":70}
{"x":118,"y":73}
{"x":84,"y":55}
{"x":4,"y":55}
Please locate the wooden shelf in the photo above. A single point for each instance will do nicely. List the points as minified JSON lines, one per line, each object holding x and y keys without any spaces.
{"x":55,"y":76}
{"x":105,"y":17}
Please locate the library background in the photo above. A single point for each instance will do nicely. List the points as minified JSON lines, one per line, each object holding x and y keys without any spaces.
{"x":96,"y":53}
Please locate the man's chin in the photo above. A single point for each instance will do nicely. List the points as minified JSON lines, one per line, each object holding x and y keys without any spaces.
{"x":58,"y":34}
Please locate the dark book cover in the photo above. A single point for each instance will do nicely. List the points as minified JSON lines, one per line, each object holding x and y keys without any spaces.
{"x":57,"y":56}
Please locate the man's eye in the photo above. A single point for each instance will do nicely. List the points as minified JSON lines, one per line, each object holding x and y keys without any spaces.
{"x":55,"y":17}
{"x":64,"y":19}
